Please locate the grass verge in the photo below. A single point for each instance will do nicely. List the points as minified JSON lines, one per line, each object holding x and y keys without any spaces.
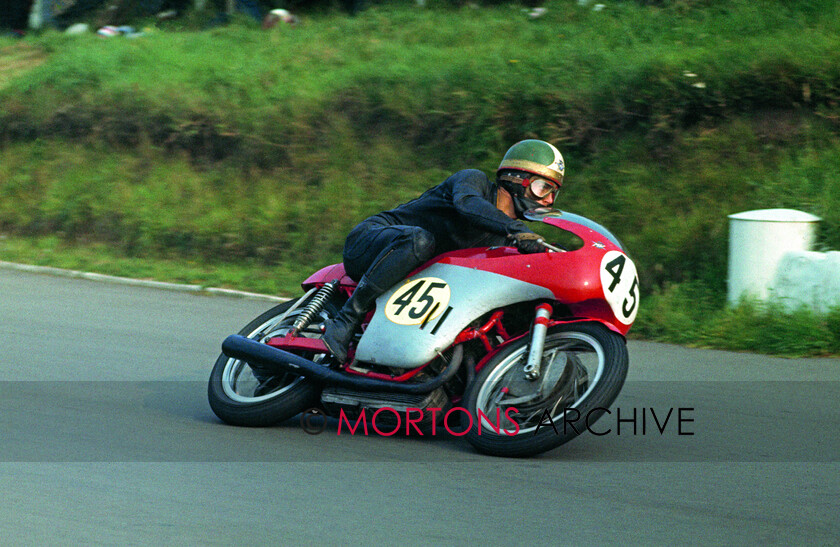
{"x":693,"y":315}
{"x":687,"y":314}
{"x":100,"y":258}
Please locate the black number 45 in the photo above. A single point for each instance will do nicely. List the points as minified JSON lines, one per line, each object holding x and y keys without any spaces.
{"x":615,"y":267}
{"x":409,"y":297}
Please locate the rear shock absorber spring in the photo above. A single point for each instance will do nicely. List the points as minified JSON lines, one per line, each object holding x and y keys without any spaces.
{"x":315,"y":306}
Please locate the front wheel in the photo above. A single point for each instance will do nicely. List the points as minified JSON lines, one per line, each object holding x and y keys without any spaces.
{"x":241,"y":394}
{"x":583,"y":369}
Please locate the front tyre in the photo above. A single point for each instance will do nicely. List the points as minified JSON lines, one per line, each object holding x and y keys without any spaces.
{"x":583,"y":369}
{"x":243,"y":395}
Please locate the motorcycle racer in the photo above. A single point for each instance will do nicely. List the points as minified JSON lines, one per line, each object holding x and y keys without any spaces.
{"x":465,"y":210}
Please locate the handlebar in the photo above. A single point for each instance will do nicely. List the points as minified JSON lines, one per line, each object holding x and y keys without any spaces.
{"x":540,"y":241}
{"x":550,"y":247}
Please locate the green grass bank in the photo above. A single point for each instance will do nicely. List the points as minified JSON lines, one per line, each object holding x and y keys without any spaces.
{"x":242,"y":157}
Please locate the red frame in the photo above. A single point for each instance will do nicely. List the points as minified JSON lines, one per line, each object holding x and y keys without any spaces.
{"x":316,"y":345}
{"x":480,"y":333}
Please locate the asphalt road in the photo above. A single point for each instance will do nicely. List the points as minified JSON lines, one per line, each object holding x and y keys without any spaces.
{"x":106,"y":436}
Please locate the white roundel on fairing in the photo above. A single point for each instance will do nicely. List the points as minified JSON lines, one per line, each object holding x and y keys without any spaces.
{"x":418,"y":301}
{"x":620,"y":283}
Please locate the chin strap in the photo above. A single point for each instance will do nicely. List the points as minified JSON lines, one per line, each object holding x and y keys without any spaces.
{"x":520,"y":202}
{"x":515,"y":186}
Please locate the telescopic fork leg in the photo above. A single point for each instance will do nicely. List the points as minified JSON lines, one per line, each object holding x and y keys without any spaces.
{"x":538,"y":332}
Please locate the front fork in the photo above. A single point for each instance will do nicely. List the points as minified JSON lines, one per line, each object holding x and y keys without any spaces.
{"x":538,"y":332}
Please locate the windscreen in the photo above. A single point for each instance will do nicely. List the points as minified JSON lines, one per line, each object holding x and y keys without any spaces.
{"x":544,"y":213}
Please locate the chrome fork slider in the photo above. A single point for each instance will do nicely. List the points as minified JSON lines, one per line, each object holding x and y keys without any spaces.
{"x":535,"y":351}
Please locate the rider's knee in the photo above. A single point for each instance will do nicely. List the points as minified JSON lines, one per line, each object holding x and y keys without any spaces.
{"x":424,"y":244}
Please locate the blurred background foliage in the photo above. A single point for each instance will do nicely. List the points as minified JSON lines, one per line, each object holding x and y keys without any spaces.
{"x":241,"y":147}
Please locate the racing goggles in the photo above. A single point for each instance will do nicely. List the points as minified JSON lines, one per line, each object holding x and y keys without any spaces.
{"x":542,"y":188}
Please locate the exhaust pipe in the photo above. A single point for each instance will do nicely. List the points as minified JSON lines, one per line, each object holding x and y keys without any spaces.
{"x":274,"y":359}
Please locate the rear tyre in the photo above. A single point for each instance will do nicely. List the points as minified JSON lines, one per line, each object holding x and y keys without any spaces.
{"x":244,"y":395}
{"x":583,"y":369}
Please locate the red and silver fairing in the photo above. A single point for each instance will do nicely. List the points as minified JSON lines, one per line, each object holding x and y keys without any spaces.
{"x":424,"y":315}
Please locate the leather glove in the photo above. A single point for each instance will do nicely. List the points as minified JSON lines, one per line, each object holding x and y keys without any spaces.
{"x":527,"y":242}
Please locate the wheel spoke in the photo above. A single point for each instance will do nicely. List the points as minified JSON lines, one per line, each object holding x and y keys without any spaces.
{"x":582,"y":360}
{"x":245,"y":384}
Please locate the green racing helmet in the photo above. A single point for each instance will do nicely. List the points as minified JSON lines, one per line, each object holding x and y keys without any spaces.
{"x":536,"y":157}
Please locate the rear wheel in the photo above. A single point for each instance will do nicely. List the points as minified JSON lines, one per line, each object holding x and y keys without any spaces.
{"x":242,"y":394}
{"x":583,"y":369}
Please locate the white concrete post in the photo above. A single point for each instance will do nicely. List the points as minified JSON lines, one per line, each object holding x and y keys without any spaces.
{"x":757,"y":242}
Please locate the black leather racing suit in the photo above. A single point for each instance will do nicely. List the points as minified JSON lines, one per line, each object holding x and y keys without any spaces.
{"x":458,"y":213}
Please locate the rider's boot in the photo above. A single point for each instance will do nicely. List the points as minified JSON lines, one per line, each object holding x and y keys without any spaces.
{"x":340,"y":329}
{"x":412,"y":247}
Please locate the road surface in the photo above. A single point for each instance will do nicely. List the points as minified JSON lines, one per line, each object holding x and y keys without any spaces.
{"x":106,"y":436}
